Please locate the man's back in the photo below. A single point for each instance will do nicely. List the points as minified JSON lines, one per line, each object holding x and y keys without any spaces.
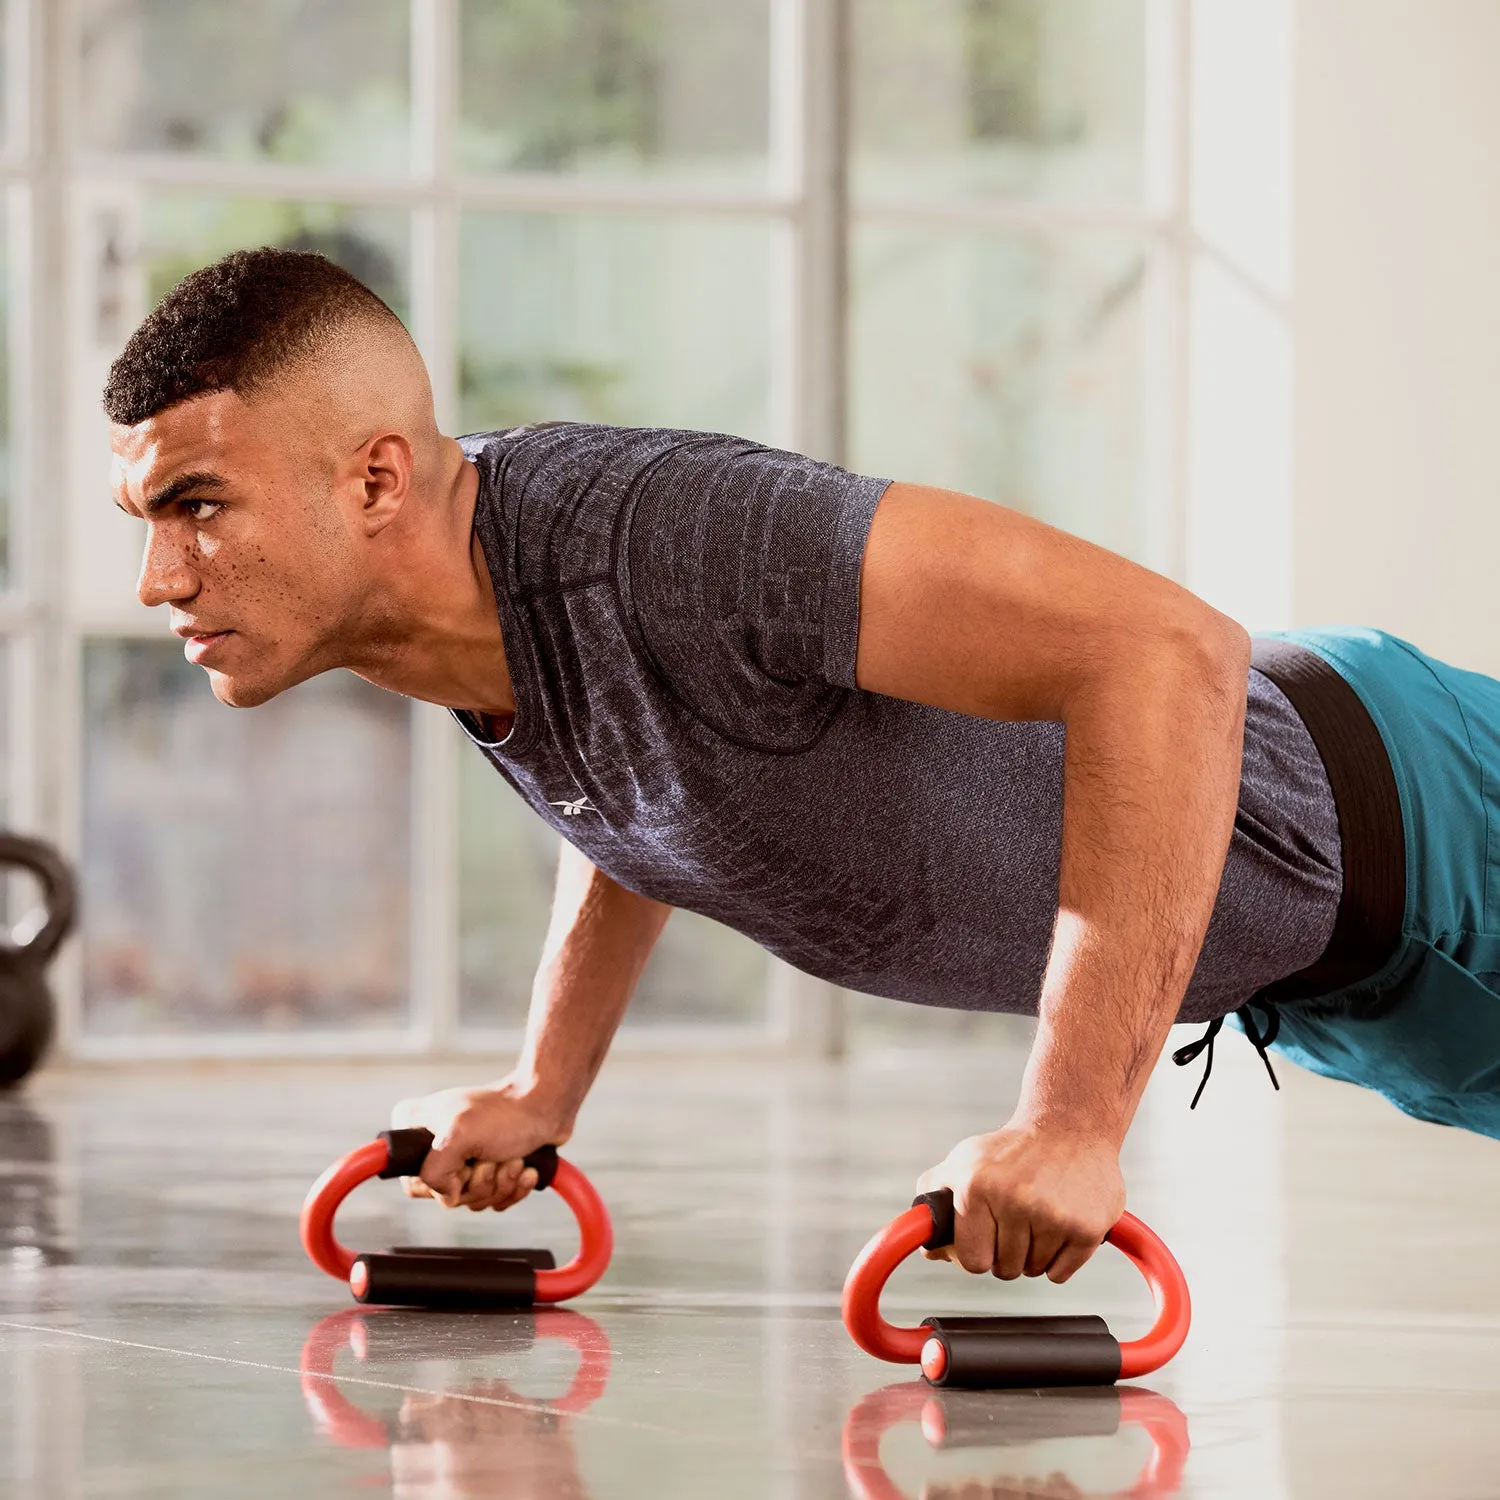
{"x":681,"y":613}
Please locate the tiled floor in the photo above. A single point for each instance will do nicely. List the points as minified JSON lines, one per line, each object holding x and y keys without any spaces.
{"x":161,"y":1334}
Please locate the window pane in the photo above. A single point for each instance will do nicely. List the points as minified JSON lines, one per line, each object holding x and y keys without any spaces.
{"x":242,"y":871}
{"x":1041,"y":99}
{"x":6,"y":63}
{"x":875,"y":1024}
{"x":21,"y":893}
{"x":620,"y":87}
{"x":182,"y":232}
{"x":5,"y":728}
{"x":322,"y":82}
{"x":622,"y":318}
{"x":7,"y":445}
{"x":1005,"y":367}
{"x":507,"y":861}
{"x":700,"y":974}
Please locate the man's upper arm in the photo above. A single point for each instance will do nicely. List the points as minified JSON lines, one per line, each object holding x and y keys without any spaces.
{"x":969,"y":606}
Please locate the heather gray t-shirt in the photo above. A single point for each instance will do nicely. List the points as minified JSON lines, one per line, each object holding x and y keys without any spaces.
{"x":680,"y":613}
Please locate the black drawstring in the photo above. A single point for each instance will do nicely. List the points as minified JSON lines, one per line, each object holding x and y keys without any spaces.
{"x":1259,"y":1039}
{"x":1184,"y":1055}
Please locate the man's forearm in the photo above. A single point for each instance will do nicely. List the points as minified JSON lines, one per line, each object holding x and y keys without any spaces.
{"x":1151,"y":786}
{"x":598,"y":940}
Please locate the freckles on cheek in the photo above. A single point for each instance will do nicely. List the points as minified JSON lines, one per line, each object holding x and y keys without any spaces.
{"x":277,"y":597}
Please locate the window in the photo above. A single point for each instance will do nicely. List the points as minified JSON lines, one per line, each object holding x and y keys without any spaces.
{"x":937,"y":239}
{"x":245,"y":872}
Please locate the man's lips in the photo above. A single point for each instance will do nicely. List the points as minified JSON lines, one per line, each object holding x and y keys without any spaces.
{"x":201,"y":642}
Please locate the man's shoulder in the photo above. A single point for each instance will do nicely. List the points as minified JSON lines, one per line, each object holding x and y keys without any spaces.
{"x":562,"y":463}
{"x":600,"y":440}
{"x":558,"y":477}
{"x":563,"y":493}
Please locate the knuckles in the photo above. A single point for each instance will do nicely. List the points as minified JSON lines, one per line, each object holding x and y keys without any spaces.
{"x":1042,"y":1213}
{"x":1020,"y":1212}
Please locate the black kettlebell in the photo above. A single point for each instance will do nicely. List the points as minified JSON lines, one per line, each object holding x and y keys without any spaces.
{"x":25,"y":1000}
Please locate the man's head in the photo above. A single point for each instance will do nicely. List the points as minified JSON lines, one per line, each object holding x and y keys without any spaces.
{"x":272,"y":422}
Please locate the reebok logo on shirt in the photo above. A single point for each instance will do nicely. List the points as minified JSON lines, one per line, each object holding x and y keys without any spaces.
{"x":574,"y":808}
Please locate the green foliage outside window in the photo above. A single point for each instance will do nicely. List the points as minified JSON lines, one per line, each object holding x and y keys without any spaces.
{"x":184,"y":233}
{"x":546,"y":82}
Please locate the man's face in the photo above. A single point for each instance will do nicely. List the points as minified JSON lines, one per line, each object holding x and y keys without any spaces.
{"x":250,"y":537}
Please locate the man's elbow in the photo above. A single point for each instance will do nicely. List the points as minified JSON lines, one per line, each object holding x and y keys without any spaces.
{"x":1214,"y":651}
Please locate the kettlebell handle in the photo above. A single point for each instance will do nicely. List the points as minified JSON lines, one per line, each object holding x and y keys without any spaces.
{"x":59,"y":894}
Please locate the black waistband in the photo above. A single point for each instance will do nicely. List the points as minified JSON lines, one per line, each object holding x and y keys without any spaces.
{"x":1372,"y":905}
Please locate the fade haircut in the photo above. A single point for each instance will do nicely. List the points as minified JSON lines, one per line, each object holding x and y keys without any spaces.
{"x":236,"y":325}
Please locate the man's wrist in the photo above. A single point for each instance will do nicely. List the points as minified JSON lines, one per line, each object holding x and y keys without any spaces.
{"x":1075,"y":1087}
{"x":1090,"y":1122}
{"x":547,"y":1100}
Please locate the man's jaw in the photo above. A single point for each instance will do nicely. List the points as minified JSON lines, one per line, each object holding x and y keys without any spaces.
{"x":244,"y":671}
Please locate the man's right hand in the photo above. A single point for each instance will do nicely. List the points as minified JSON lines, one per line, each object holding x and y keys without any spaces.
{"x":480,"y":1136}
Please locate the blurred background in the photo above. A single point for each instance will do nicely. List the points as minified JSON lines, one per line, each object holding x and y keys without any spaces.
{"x":1210,"y":282}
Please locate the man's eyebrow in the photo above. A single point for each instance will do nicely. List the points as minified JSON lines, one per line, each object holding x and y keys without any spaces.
{"x":199,"y":479}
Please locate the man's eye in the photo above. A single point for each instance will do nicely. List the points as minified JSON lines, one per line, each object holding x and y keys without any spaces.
{"x":202,"y":510}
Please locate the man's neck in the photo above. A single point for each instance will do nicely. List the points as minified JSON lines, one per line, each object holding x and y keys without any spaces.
{"x":435,"y":633}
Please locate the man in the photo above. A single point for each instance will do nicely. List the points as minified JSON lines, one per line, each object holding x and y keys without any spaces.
{"x":909,"y":740}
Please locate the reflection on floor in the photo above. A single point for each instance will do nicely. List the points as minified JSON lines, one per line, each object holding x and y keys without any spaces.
{"x":161,"y":1334}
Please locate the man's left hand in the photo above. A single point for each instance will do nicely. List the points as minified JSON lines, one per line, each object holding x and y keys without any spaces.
{"x":1029,"y":1202}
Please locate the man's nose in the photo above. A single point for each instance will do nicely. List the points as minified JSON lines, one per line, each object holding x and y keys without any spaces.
{"x":167,"y":575}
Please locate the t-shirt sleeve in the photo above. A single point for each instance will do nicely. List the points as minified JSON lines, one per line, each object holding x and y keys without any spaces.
{"x":742,"y":574}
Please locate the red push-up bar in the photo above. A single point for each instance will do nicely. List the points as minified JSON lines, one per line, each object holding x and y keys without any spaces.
{"x":999,"y":1352}
{"x":436,"y":1277}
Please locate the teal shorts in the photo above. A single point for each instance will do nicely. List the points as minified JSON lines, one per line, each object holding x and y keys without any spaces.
{"x":1425,"y":1029}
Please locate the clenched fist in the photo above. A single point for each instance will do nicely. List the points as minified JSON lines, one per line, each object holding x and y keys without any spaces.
{"x":1029,"y":1202}
{"x":479,"y":1137}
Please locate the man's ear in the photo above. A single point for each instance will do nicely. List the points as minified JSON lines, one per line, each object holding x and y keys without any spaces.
{"x":386,"y":476}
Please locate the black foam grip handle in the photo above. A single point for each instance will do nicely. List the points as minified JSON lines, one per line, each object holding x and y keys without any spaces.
{"x":544,"y":1162}
{"x":407,"y":1150}
{"x":940,"y":1203}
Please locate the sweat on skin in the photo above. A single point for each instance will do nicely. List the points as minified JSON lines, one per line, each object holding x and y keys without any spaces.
{"x":329,"y":524}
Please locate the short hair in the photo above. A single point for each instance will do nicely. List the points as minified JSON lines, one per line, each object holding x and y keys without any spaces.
{"x":235,"y":325}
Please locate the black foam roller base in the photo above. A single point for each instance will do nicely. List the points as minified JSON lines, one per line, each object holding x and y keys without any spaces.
{"x":538,"y":1260}
{"x":438,"y":1280}
{"x":993,"y":1354}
